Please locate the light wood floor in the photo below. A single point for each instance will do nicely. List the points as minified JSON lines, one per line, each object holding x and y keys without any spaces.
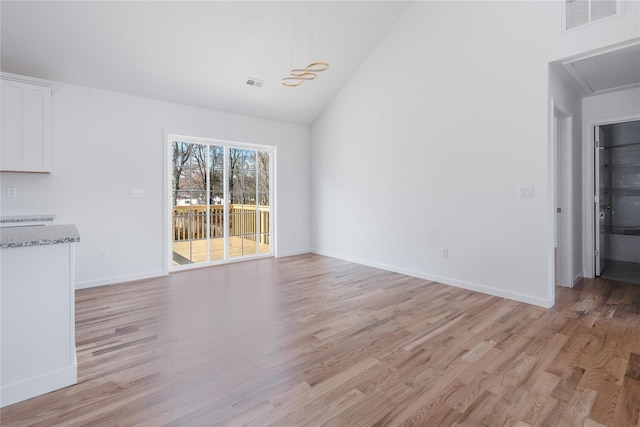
{"x":310,"y":340}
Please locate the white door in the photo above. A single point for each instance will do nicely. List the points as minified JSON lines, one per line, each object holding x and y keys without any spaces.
{"x":600,"y":200}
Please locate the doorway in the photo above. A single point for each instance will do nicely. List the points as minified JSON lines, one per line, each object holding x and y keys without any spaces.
{"x":219,"y":202}
{"x":617,"y":206}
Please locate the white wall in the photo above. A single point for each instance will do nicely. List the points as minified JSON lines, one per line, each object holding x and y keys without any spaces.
{"x":610,"y":107}
{"x":602,"y":109}
{"x":105,"y":142}
{"x":427,"y":145}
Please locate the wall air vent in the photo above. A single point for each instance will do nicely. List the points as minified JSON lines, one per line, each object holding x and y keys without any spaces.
{"x":254,"y":82}
{"x":578,"y":13}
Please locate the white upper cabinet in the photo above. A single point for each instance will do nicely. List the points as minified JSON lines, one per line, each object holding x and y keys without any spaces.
{"x":26,"y":125}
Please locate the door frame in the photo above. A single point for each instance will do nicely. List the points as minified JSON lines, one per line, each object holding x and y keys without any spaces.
{"x":599,"y":244}
{"x":588,"y":185}
{"x":563,"y":223}
{"x":167,"y":202}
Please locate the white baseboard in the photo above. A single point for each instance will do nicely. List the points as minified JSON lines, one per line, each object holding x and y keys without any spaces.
{"x":445,"y":280}
{"x":576,"y":280}
{"x":118,"y":279}
{"x":293,"y":253}
{"x":35,"y":386}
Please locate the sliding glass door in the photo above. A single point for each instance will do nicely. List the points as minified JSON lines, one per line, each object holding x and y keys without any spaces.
{"x":248,"y":210}
{"x":220,"y":201}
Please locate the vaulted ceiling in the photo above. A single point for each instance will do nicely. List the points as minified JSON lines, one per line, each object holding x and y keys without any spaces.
{"x":197,"y":53}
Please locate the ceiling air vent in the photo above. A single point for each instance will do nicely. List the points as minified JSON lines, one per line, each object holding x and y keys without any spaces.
{"x":254,"y":82}
{"x":577,"y":13}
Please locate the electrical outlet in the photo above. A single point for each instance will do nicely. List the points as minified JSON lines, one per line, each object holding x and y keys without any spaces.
{"x":445,"y":252}
{"x":12,"y":192}
{"x":104,"y":253}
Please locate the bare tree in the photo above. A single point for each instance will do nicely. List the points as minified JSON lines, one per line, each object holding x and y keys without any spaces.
{"x":216,"y":173}
{"x":200,"y":170}
{"x":235,"y":166}
{"x":263,"y":178}
{"x":194,"y":164}
{"x":181,"y":155}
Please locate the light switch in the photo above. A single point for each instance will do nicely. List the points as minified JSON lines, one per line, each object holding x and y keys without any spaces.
{"x":12,"y":192}
{"x":132,"y":193}
{"x":526,"y":192}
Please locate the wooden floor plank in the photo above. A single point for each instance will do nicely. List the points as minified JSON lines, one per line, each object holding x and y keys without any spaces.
{"x":628,"y":409}
{"x":310,"y":340}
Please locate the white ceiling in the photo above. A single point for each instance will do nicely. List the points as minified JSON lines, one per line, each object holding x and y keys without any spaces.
{"x":196,"y":53}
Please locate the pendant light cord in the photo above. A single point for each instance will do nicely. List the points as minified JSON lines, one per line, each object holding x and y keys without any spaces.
{"x":298,"y":75}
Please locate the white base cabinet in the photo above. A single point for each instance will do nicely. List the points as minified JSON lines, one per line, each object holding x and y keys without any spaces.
{"x":38,"y":321}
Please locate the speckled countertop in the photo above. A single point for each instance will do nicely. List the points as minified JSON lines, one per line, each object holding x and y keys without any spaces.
{"x":38,"y":235}
{"x":20,"y":217}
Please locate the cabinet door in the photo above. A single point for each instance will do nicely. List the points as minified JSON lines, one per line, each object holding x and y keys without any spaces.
{"x":26,"y":127}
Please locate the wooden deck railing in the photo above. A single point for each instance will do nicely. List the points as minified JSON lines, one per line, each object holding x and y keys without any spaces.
{"x":190,"y":222}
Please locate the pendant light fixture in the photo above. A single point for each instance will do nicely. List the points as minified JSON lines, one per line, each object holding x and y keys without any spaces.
{"x":299,"y":75}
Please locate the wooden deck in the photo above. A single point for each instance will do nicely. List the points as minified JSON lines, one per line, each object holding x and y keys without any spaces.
{"x":187,"y":252}
{"x":309,"y":341}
